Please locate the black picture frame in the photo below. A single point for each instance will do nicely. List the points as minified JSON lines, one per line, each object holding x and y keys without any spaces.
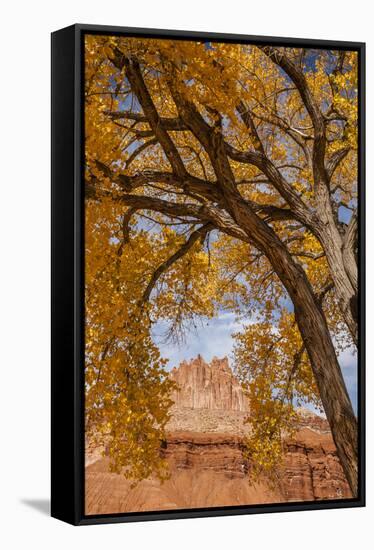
{"x":67,"y":421}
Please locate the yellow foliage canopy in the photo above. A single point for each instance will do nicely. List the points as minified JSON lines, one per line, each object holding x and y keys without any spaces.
{"x":162,"y":245}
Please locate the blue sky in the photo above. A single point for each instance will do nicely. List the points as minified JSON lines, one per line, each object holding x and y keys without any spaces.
{"x":213,"y":338}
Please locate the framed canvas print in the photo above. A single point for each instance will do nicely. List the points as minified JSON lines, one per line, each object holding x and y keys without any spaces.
{"x":207,"y":274}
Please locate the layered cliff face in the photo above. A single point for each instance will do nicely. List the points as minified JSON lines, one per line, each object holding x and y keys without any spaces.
{"x":207,"y":470}
{"x":311,"y":469}
{"x":207,"y":386}
{"x":204,"y":449}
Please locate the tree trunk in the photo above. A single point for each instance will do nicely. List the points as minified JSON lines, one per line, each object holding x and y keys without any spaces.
{"x":346,"y":293}
{"x":350,"y":250}
{"x":315,"y":333}
{"x":342,"y":264}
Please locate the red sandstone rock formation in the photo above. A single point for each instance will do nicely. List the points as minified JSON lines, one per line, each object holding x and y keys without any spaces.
{"x":206,"y":470}
{"x":204,"y":449}
{"x":204,"y":386}
{"x":311,"y":469}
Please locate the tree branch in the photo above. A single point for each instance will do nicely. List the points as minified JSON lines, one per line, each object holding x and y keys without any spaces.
{"x":198,"y":234}
{"x":247,"y":119}
{"x":335,"y":160}
{"x":173,"y":124}
{"x":139,"y":150}
{"x":297,"y":76}
{"x":126,"y":228}
{"x":189,"y":184}
{"x":140,"y":89}
{"x":200,"y":213}
{"x":300,"y":138}
{"x":284,"y":188}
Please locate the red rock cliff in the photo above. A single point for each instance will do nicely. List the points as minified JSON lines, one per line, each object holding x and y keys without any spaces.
{"x":207,"y":386}
{"x":204,"y":449}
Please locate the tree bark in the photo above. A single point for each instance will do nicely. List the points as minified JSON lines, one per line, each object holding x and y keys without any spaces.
{"x":350,"y":250}
{"x":340,"y":260}
{"x":339,"y":263}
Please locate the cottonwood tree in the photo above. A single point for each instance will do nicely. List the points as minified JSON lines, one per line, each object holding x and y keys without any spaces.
{"x":242,"y":160}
